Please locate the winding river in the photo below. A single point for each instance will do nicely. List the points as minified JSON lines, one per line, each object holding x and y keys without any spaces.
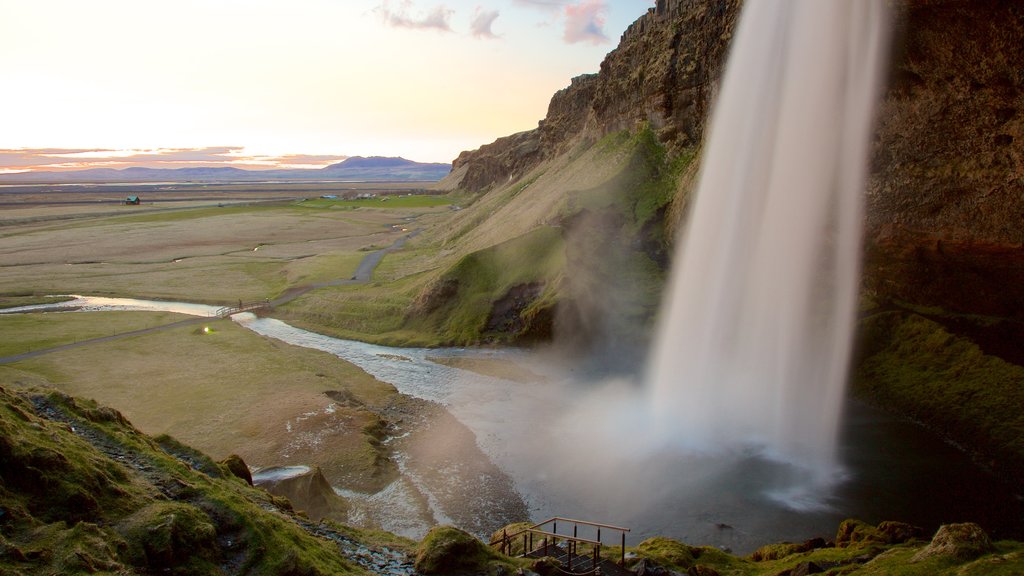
{"x":542,"y":435}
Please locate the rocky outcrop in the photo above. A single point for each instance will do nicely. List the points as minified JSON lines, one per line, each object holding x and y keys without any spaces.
{"x":663,"y":73}
{"x":497,"y":162}
{"x":310,"y":493}
{"x":956,"y":541}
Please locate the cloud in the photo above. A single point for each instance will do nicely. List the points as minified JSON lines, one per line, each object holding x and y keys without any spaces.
{"x":480,"y":27}
{"x":583,"y":19}
{"x":26,"y":159}
{"x":584,"y":22}
{"x":436,"y":19}
{"x":550,"y":5}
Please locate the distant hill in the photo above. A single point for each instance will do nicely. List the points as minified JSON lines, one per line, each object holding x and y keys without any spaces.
{"x":356,"y":168}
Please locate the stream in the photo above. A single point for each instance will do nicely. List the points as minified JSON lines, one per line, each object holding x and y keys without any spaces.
{"x":543,"y":435}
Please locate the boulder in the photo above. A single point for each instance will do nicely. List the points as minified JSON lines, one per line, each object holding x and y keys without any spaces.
{"x":311,"y":493}
{"x":447,"y":550}
{"x":237,"y":466}
{"x":899,"y":532}
{"x":961,"y":542}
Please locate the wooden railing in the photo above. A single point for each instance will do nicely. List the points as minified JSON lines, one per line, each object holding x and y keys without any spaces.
{"x":226,"y":311}
{"x":537,"y":541}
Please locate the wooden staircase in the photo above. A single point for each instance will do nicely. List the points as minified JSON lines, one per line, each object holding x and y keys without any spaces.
{"x":576,"y":555}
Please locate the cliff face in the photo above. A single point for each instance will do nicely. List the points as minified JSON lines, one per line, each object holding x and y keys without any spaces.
{"x":946,"y":193}
{"x":664,"y":72}
{"x":945,"y":200}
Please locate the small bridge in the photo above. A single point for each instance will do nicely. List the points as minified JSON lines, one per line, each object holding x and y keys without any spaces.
{"x":576,"y":555}
{"x":226,"y":311}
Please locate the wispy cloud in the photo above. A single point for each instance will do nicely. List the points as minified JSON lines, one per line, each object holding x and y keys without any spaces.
{"x":584,"y":22}
{"x":551,"y":5}
{"x":480,"y":27}
{"x":437,"y":18}
{"x":27,"y":159}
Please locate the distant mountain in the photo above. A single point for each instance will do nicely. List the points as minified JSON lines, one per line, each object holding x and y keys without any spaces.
{"x":356,"y":168}
{"x":377,"y":162}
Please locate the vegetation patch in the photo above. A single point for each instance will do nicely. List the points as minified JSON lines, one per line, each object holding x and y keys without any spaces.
{"x":471,"y":288}
{"x":913,"y":366}
{"x":83,"y":491}
{"x":448,"y":550}
{"x":385,"y":201}
{"x":36,"y":331}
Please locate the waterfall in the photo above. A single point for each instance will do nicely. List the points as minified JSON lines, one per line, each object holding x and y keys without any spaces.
{"x":754,"y":340}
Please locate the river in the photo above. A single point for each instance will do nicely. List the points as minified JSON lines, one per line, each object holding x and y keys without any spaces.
{"x":546,"y":435}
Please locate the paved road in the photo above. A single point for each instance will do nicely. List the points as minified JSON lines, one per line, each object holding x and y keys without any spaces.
{"x":34,"y":353}
{"x":363,"y":274}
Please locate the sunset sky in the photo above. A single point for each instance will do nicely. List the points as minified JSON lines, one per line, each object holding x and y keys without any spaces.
{"x":304,"y":83}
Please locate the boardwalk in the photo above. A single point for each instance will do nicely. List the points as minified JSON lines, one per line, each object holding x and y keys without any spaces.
{"x":576,"y":555}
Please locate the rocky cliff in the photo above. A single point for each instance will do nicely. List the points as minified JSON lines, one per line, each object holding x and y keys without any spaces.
{"x":946,"y":193}
{"x":944,"y":200}
{"x":664,"y":73}
{"x":946,"y":197}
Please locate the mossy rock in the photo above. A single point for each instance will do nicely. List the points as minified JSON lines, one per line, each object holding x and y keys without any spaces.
{"x":170,"y":534}
{"x":237,"y":467}
{"x":961,"y":542}
{"x":515,"y":545}
{"x":899,"y":532}
{"x":669,"y":553}
{"x":83,"y":548}
{"x":448,"y":550}
{"x":775,"y":551}
{"x":853,"y":532}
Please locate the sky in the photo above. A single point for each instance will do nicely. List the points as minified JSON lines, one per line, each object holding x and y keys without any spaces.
{"x":267,"y":84}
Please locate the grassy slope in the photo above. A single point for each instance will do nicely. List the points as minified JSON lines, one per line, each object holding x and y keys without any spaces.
{"x":83,"y":491}
{"x":588,"y":222}
{"x":914,"y":366}
{"x":227,"y":391}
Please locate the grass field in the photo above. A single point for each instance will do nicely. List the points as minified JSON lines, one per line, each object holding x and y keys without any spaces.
{"x":225,"y":391}
{"x":27,"y":332}
{"x":207,"y":254}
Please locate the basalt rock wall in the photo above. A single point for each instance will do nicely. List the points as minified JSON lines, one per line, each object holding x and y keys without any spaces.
{"x":945,"y":202}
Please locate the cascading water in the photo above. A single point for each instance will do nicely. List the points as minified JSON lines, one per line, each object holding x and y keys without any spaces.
{"x":754,"y":343}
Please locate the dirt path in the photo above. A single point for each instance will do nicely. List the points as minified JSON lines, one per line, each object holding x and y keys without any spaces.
{"x":362,"y":275}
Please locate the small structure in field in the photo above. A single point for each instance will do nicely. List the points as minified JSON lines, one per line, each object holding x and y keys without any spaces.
{"x":132,"y":201}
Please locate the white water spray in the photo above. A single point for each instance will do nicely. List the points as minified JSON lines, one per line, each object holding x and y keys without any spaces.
{"x":754,"y":343}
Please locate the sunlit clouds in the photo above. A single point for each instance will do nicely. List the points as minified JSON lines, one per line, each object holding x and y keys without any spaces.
{"x":581,"y":20}
{"x":221,"y":82}
{"x":584,"y":22}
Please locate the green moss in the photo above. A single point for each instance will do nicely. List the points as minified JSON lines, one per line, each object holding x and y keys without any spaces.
{"x":667,"y":552}
{"x":448,"y":550}
{"x":83,"y":491}
{"x":171,"y":534}
{"x":479,"y":279}
{"x":515,"y":545}
{"x":775,"y":551}
{"x":853,"y":532}
{"x":913,"y":366}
